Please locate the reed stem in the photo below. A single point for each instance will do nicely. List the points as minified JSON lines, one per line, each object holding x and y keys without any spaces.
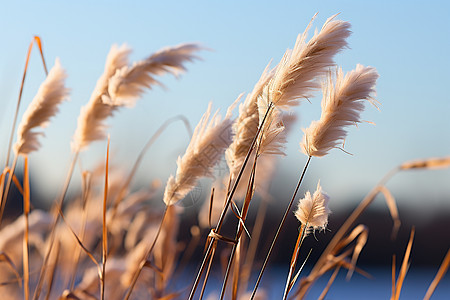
{"x":279,"y":228}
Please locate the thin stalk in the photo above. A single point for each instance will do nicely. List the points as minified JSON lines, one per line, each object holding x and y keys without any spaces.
{"x":279,"y":228}
{"x":4,"y":193}
{"x":85,"y":198}
{"x":254,"y":241}
{"x":208,"y":270}
{"x":144,"y":259}
{"x":301,"y":237}
{"x":26,"y":212}
{"x":149,"y":143}
{"x":227,"y":203}
{"x":30,"y":47}
{"x":53,"y":230}
{"x":240,"y":229}
{"x":105,"y":229}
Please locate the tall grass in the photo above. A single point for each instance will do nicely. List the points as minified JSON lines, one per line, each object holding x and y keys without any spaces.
{"x":129,"y":249}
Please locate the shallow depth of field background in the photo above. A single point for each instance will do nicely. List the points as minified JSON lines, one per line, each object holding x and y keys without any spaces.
{"x":407,"y":41}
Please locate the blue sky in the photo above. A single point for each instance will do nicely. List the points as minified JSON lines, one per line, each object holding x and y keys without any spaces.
{"x":407,"y":41}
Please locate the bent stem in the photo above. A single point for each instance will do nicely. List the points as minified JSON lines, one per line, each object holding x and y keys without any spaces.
{"x":150,"y":142}
{"x":227,"y":203}
{"x":279,"y":228}
{"x":59,"y":205}
{"x":144,"y":259}
{"x":301,"y":237}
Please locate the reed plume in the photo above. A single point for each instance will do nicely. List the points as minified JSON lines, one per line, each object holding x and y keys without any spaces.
{"x":43,"y":106}
{"x":121,"y":85}
{"x":129,"y":82}
{"x":342,"y":105}
{"x":313,"y":210}
{"x":296,"y":74}
{"x":211,"y":138}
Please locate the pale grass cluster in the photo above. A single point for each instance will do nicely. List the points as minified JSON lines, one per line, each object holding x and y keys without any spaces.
{"x":141,"y":253}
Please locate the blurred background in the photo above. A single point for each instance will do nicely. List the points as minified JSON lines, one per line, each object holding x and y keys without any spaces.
{"x":407,"y":41}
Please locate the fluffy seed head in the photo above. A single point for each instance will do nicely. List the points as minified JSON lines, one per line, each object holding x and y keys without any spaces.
{"x":313,"y":210}
{"x":208,"y":143}
{"x":44,"y":106}
{"x":342,"y":105}
{"x":296,"y":74}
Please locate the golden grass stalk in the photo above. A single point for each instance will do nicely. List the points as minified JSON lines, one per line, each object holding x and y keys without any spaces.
{"x":104,"y":228}
{"x":26,"y":212}
{"x":342,"y":105}
{"x":208,"y":143}
{"x":37,"y":40}
{"x":404,"y":268}
{"x":440,"y":274}
{"x":299,"y":68}
{"x":430,"y":163}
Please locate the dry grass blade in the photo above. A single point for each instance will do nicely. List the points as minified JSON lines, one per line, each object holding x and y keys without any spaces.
{"x":392,"y":205}
{"x":80,"y":243}
{"x":330,"y":282}
{"x":430,"y":163}
{"x":5,"y":258}
{"x":404,"y":268}
{"x":104,"y":227}
{"x":147,"y":146}
{"x":440,"y":274}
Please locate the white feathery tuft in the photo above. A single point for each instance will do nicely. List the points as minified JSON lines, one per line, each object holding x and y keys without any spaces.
{"x":208,"y":143}
{"x":90,"y":121}
{"x":296,"y":74}
{"x":128,"y":83}
{"x":44,"y":106}
{"x":121,"y":85}
{"x":342,"y":105}
{"x":313,"y":211}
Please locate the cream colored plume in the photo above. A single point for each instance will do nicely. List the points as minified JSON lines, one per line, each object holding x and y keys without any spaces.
{"x":342,"y":105}
{"x":128,"y":83}
{"x":313,"y":210}
{"x":90,"y":121}
{"x":44,"y":106}
{"x":246,"y":125}
{"x":299,"y":68}
{"x":121,"y":85}
{"x":208,"y":143}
